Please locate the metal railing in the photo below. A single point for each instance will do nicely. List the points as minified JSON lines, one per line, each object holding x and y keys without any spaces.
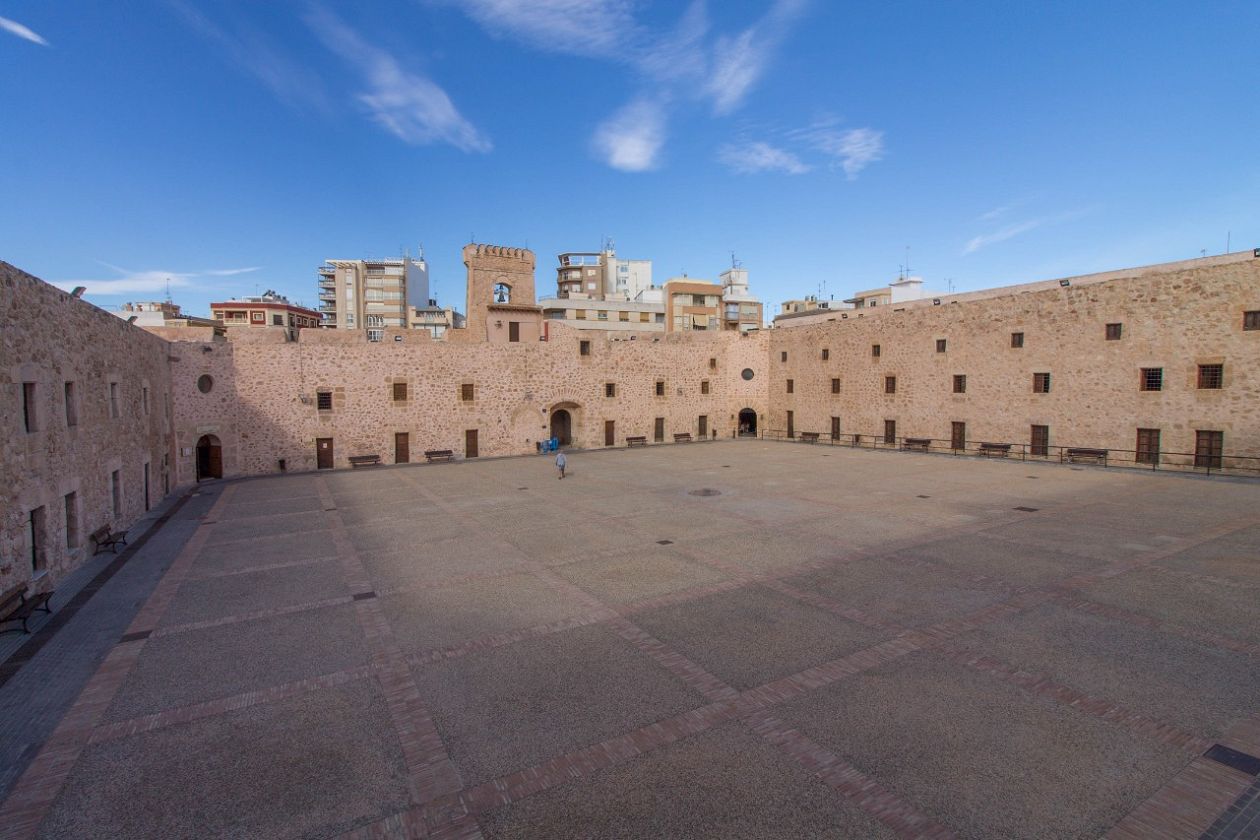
{"x":1223,"y":463}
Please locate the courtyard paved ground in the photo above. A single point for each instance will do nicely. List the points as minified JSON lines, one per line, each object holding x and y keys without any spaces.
{"x":840,"y":643}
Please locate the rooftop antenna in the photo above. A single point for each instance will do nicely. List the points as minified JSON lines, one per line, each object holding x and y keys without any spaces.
{"x":1227,"y":235}
{"x":168,"y":290}
{"x":907,"y":261}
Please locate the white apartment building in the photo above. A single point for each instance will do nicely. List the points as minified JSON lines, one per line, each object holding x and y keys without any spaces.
{"x":372,"y":294}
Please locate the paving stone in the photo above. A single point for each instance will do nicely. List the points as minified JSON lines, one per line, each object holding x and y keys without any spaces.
{"x":638,"y":575}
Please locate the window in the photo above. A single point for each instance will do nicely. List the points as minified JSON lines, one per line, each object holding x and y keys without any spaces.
{"x":72,"y":520}
{"x":1017,"y":339}
{"x":826,"y":353}
{"x":323,"y":400}
{"x":875,"y":350}
{"x":400,"y":392}
{"x":579,"y":314}
{"x":204,"y":383}
{"x":835,"y":428}
{"x":660,"y":317}
{"x":783,"y":356}
{"x":660,"y":387}
{"x":835,"y":386}
{"x":890,"y":384}
{"x":1211,"y":376}
{"x":1114,"y":331}
{"x":704,"y":386}
{"x":1251,"y":320}
{"x":890,"y":431}
{"x":1040,"y":440}
{"x":38,"y":524}
{"x":791,"y":386}
{"x":277,"y":320}
{"x":584,"y":348}
{"x":257,"y":317}
{"x":72,"y":406}
{"x":1152,"y":379}
{"x":610,"y":389}
{"x":712,"y":364}
{"x":644,"y":317}
{"x":30,"y":420}
{"x":658,"y":430}
{"x":115,"y":491}
{"x":144,"y":398}
{"x":1147,"y":446}
{"x":697,"y":300}
{"x":601,"y":315}
{"x":1041,"y":383}
{"x":957,"y":435}
{"x":113,"y":399}
{"x":746,"y":374}
{"x":960,"y":383}
{"x":623,"y":316}
{"x":1207,"y":448}
{"x":376,"y":335}
{"x":466,"y":392}
{"x":940,"y":345}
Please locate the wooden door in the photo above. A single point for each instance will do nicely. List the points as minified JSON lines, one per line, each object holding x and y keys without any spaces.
{"x":658,"y":430}
{"x":402,"y":448}
{"x":323,"y":453}
{"x":1147,"y":446}
{"x":1040,"y":440}
{"x":470,"y":443}
{"x":791,"y":424}
{"x":1208,"y":447}
{"x":958,"y":435}
{"x":610,"y":432}
{"x":514,"y":330}
{"x":835,"y":428}
{"x":215,"y":461}
{"x":704,"y":426}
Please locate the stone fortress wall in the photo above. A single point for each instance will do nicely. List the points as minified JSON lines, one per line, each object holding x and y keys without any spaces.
{"x":57,"y":463}
{"x":257,"y":394}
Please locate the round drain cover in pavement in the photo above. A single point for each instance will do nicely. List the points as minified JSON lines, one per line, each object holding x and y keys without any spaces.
{"x":704,"y":491}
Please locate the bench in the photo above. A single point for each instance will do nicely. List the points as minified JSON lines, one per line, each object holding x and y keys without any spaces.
{"x":682,"y":437}
{"x":105,"y":537}
{"x":364,"y":460}
{"x":15,"y":606}
{"x":809,"y":437}
{"x":637,"y":440}
{"x":432,"y":455}
{"x":1072,"y":454}
{"x":995,"y":450}
{"x":919,"y":444}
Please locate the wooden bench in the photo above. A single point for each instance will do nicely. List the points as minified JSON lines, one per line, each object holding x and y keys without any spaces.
{"x":15,"y":606}
{"x":995,"y":450}
{"x":1072,"y":454}
{"x":919,"y":444}
{"x":105,"y":537}
{"x":364,"y":460}
{"x":809,"y":437}
{"x":432,"y":455}
{"x":637,"y":440}
{"x":682,"y":437}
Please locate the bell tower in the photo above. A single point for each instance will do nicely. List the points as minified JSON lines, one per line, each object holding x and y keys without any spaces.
{"x":501,"y":293}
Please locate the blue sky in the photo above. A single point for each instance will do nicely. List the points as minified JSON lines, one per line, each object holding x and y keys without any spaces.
{"x":232,"y":147}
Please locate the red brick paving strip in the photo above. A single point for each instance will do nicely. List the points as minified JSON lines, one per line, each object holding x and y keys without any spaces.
{"x":1187,"y":806}
{"x":1172,"y":628}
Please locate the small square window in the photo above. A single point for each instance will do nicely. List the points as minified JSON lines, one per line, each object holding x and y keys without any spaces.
{"x":660,"y":388}
{"x":466,"y":392}
{"x":623,"y":316}
{"x":1114,"y":331}
{"x":960,"y":383}
{"x":1152,"y":379}
{"x":400,"y":391}
{"x":940,"y":345}
{"x":835,"y":386}
{"x":1251,"y":320}
{"x":704,"y":386}
{"x":584,"y":348}
{"x":875,"y":350}
{"x":783,"y":356}
{"x":826,"y":354}
{"x":890,"y":384}
{"x":1211,"y":376}
{"x":323,"y":400}
{"x":1017,"y":339}
{"x":791,"y":386}
{"x":1041,"y":383}
{"x":610,"y":389}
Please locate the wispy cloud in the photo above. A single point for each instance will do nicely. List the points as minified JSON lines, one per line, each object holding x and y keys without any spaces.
{"x":755,"y":157}
{"x":740,"y":60}
{"x":1011,"y":231}
{"x":406,"y":104}
{"x":631,"y":139}
{"x":24,"y":32}
{"x":851,"y":149}
{"x":596,"y":28}
{"x":145,"y":282}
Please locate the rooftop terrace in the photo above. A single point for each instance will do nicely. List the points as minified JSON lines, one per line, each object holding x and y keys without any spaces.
{"x":732,"y":639}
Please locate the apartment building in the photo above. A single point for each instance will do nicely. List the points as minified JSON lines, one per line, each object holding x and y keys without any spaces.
{"x":269,"y":310}
{"x":371,"y":294}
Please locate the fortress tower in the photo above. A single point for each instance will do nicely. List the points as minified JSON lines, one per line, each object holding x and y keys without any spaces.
{"x":501,"y":305}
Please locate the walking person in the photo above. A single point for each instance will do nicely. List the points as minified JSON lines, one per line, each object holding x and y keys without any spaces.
{"x":560,"y":463}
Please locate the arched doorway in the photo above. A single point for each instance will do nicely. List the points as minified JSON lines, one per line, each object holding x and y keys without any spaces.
{"x":209,"y":458}
{"x":562,"y":426}
{"x":748,"y":422}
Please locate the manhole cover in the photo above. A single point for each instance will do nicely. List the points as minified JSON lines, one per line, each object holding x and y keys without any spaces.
{"x":704,"y":491}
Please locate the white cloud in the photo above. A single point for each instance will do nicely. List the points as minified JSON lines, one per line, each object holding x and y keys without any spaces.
{"x":631,"y":139}
{"x":15,"y":28}
{"x":853,"y":150}
{"x":597,"y":28}
{"x":1009,"y":232}
{"x":409,"y":106}
{"x":738,"y":62}
{"x":749,"y":158}
{"x":145,"y":282}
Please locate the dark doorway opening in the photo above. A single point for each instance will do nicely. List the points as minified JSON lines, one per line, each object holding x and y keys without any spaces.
{"x":470,"y":443}
{"x":323,"y":453}
{"x":209,"y":458}
{"x":748,"y":422}
{"x":562,"y":427}
{"x":402,"y":447}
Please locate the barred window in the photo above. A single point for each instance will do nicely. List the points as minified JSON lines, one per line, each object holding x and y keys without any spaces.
{"x":874,"y":349}
{"x":1114,"y":331}
{"x":1017,"y":339}
{"x":1152,"y":379}
{"x":704,"y":386}
{"x":466,"y":392}
{"x":323,"y":400}
{"x":960,"y":383}
{"x":610,"y":389}
{"x":835,"y":386}
{"x":1251,"y":320}
{"x":1041,"y":383}
{"x":940,"y":345}
{"x":890,"y":384}
{"x":826,"y":354}
{"x":791,"y":385}
{"x":584,"y":348}
{"x":660,"y":387}
{"x":1211,"y":376}
{"x":400,"y":391}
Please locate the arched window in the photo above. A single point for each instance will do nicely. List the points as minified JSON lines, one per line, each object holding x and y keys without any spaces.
{"x":502,"y":293}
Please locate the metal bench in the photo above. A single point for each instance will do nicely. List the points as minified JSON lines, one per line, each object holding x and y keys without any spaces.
{"x":917,"y":444}
{"x":682,"y":437}
{"x":432,"y":455}
{"x":637,"y":440}
{"x":995,"y":450}
{"x":15,"y":606}
{"x":364,"y":460}
{"x":105,"y":537}
{"x":809,"y":437}
{"x":1074,"y":453}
